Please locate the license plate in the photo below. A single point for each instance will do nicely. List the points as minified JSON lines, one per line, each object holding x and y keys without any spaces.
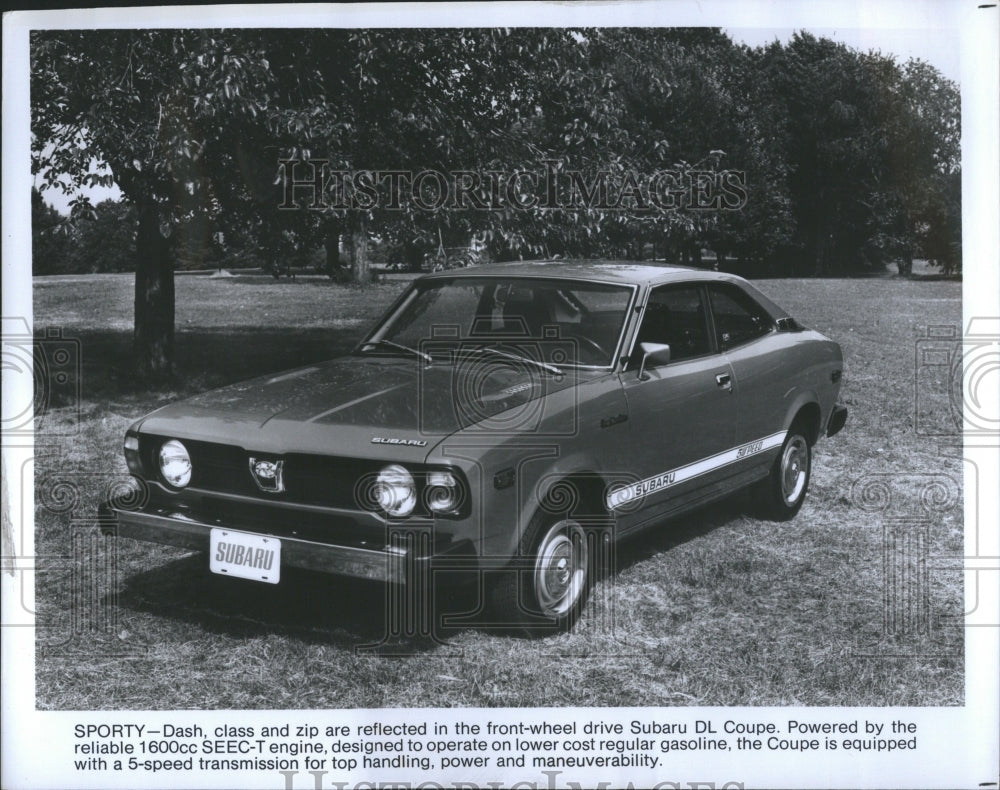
{"x":245,"y":555}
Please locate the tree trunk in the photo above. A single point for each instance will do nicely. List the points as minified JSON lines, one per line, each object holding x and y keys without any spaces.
{"x":153,"y":337}
{"x":672,"y":252}
{"x":359,"y":250}
{"x":331,"y":244}
{"x":905,"y":264}
{"x":414,"y":255}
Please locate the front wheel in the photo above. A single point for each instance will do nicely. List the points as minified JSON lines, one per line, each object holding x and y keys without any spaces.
{"x":546,"y":588}
{"x":782,"y":493}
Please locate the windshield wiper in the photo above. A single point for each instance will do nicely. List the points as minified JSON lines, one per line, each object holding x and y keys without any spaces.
{"x":392,"y":344}
{"x":507,"y":355}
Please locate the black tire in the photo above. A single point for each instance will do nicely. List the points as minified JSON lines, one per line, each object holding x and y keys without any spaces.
{"x":781,"y":494}
{"x":546,"y":587}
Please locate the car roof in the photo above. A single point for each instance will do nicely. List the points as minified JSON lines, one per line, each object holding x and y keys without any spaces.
{"x":623,"y":272}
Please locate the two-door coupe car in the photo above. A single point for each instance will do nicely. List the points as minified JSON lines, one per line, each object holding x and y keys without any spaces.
{"x":510,"y":420}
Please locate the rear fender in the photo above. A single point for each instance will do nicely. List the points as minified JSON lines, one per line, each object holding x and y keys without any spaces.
{"x":807,"y":403}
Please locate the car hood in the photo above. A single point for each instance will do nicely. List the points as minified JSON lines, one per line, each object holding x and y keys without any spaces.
{"x":357,"y":406}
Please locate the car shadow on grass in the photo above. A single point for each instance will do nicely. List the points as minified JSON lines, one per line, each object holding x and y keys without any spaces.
{"x":366,"y":615}
{"x":673,"y":532}
{"x":315,"y":607}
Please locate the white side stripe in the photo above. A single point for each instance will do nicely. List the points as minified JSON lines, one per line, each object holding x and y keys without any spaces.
{"x":633,"y":491}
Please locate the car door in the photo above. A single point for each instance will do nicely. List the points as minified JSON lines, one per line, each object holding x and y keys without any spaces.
{"x":746,"y":334}
{"x":682,"y":414}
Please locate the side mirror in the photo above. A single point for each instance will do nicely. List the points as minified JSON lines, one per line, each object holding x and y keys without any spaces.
{"x":788,"y":324}
{"x":653,"y":354}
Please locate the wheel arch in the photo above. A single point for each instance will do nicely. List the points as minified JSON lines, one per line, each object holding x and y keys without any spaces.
{"x":574,"y":490}
{"x":807,"y":413}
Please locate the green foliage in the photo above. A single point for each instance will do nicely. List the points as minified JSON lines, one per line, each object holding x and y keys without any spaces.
{"x":105,"y":243}
{"x":101,"y":240}
{"x":50,"y":242}
{"x":862,"y":148}
{"x":159,"y":112}
{"x":851,"y":159}
{"x":157,"y":107}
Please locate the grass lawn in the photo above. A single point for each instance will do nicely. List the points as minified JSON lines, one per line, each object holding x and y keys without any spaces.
{"x":845,"y":605}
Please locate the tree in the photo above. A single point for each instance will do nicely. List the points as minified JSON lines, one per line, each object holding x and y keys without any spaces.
{"x":158,"y":110}
{"x":482,"y":101}
{"x":49,"y":237}
{"x":418,"y":100}
{"x":861,"y":149}
{"x":925,"y":163}
{"x":850,"y":160}
{"x":105,"y":240}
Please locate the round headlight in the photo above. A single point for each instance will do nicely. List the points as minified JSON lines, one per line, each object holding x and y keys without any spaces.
{"x":442,"y":492}
{"x":395,"y":491}
{"x":175,"y":463}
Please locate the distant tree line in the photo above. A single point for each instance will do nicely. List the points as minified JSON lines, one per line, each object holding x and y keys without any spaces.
{"x":102,"y":239}
{"x":844,"y":161}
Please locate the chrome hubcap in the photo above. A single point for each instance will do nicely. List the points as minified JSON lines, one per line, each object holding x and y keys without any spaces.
{"x":561,"y":568}
{"x":794,"y":468}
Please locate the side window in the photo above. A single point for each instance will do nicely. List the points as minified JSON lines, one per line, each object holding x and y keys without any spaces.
{"x":675,"y":315}
{"x":738,"y":317}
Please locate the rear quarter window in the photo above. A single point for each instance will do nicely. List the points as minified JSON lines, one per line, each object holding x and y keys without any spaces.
{"x":738,"y":317}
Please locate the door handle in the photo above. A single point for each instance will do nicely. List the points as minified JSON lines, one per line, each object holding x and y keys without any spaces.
{"x":725,"y":381}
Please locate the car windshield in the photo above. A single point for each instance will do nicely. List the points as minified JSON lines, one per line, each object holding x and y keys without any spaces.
{"x":557,"y":322}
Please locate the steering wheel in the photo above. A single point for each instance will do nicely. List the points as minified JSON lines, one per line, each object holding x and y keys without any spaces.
{"x":593,"y":344}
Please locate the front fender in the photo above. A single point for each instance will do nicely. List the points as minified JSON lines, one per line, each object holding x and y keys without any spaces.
{"x":573,"y":484}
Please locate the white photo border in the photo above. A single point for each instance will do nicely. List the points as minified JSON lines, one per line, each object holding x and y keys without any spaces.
{"x":964,"y":751}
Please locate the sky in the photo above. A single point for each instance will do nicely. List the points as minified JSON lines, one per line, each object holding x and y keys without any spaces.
{"x":939,"y":47}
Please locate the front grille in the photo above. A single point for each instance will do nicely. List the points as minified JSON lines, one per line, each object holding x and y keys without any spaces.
{"x":318,"y":480}
{"x":308,"y":479}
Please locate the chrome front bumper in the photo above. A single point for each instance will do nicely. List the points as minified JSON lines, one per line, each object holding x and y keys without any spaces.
{"x":386,"y":565}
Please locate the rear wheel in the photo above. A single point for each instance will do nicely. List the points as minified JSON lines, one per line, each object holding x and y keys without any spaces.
{"x":781,"y":494}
